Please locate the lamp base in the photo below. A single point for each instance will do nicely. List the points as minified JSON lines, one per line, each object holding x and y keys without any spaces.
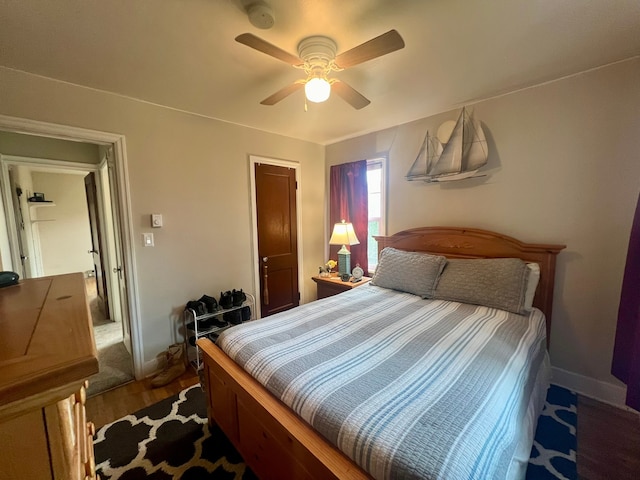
{"x":344,"y":262}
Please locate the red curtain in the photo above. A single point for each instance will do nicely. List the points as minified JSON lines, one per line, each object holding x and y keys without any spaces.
{"x":348,"y":197}
{"x":626,"y":353}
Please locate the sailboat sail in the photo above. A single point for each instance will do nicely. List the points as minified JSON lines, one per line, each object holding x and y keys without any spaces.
{"x":451,"y":159}
{"x":461,"y":157}
{"x":475,"y":145}
{"x":428,"y":155}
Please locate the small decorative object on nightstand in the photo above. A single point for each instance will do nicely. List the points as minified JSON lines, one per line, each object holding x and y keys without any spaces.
{"x":357,"y":273}
{"x":329,"y":286}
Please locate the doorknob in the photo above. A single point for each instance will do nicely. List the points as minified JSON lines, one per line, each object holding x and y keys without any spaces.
{"x":92,"y":251}
{"x":117,"y":269}
{"x":265,"y":259}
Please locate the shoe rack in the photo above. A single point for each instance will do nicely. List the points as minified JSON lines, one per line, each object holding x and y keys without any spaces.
{"x":211,"y":325}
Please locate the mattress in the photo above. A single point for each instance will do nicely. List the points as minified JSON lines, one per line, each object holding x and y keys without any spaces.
{"x":405,"y":387}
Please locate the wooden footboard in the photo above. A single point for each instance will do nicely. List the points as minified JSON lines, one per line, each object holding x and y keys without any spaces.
{"x":272,"y":439}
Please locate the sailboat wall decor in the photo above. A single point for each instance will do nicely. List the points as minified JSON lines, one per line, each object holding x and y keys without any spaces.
{"x":460,"y":157}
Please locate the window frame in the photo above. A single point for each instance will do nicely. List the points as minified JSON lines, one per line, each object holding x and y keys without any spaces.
{"x":382,"y":162}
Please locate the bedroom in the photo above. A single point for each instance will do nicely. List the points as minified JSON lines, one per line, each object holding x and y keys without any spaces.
{"x":565,"y":159}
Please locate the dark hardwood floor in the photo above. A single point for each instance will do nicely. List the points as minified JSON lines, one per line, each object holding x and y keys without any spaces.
{"x":114,"y":404}
{"x":608,"y":441}
{"x":608,"y":437}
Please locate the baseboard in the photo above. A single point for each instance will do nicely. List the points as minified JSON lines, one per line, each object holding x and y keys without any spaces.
{"x":150,"y":368}
{"x":602,"y":391}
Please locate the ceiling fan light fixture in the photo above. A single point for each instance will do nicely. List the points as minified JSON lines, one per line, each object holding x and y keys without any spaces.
{"x":317,"y":58}
{"x":317,"y":90}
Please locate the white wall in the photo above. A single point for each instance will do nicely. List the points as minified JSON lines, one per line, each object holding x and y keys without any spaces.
{"x":194,"y":171}
{"x":65,"y":235}
{"x":566,"y":163}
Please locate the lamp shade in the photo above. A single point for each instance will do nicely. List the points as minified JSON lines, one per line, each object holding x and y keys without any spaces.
{"x":343,"y":234}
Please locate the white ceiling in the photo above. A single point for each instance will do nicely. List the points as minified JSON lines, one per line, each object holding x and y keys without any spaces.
{"x":182,"y":53}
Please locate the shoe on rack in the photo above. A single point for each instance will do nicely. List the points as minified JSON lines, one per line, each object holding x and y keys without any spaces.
{"x":238,"y":297}
{"x":174,"y":368}
{"x":197,"y":306}
{"x":206,"y":323}
{"x":209,"y":302}
{"x":246,"y":313}
{"x":234,"y":317}
{"x":218,"y":322}
{"x":226,"y":299}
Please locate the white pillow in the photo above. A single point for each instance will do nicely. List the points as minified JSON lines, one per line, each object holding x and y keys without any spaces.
{"x":532,"y":284}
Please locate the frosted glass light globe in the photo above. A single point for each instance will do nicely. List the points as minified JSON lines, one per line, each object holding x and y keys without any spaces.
{"x":317,"y":90}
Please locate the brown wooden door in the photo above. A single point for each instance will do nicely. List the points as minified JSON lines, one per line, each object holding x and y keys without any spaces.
{"x":96,"y":241}
{"x":277,"y":238}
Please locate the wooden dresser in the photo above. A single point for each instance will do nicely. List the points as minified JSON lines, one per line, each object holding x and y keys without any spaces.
{"x":47,"y":352}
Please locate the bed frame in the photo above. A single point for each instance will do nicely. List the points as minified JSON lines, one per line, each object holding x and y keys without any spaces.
{"x":272,"y":439}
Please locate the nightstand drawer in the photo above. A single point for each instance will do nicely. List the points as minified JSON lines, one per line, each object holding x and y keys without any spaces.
{"x":329,"y":286}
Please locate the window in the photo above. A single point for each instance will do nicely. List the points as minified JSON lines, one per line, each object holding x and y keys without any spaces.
{"x":375,"y":183}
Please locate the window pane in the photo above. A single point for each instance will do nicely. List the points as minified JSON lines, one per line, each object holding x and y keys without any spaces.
{"x":372,"y":245}
{"x":375,"y":185}
{"x":374,"y":178}
{"x":374,"y":205}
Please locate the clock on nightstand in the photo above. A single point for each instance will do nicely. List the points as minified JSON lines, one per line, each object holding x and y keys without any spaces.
{"x":357,"y":273}
{"x":329,"y":286}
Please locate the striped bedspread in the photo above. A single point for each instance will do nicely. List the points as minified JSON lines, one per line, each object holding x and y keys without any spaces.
{"x":405,"y":387}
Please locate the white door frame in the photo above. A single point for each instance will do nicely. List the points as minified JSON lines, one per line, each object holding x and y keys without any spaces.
{"x":253,"y":160}
{"x":64,"y":132}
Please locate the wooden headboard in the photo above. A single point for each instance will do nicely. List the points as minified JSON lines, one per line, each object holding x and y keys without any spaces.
{"x":456,"y":242}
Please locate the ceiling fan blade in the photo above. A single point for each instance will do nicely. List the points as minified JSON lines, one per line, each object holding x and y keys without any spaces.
{"x":282,"y":93}
{"x":350,"y":95}
{"x":263,"y":46}
{"x":376,"y":47}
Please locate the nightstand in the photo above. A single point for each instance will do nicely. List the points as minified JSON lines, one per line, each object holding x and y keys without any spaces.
{"x":329,"y":286}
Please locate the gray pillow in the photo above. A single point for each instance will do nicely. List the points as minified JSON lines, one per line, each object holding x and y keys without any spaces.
{"x":496,"y":282}
{"x":410,"y":272}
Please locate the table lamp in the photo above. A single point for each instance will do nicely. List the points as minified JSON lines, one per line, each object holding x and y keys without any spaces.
{"x":343,"y":234}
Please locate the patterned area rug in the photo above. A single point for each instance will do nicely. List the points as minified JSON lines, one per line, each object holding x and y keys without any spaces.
{"x":172,"y":440}
{"x":553,"y":454}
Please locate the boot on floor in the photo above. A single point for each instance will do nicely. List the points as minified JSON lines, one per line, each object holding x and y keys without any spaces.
{"x":173,"y":369}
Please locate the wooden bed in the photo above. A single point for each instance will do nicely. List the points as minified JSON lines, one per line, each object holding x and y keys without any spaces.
{"x":271,"y":438}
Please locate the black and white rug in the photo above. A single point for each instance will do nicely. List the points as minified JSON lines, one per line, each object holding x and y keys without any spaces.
{"x":172,"y":440}
{"x":553,"y":454}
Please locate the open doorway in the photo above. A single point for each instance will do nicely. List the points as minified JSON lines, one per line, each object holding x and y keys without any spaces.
{"x":46,"y":229}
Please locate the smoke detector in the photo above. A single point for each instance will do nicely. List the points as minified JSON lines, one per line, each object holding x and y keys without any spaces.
{"x":261,"y":15}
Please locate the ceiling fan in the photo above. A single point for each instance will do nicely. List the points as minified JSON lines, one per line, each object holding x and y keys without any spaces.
{"x":317,"y":58}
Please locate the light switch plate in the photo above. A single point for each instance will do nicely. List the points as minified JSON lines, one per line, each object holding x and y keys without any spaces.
{"x":147,"y":239}
{"x":156,"y":220}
